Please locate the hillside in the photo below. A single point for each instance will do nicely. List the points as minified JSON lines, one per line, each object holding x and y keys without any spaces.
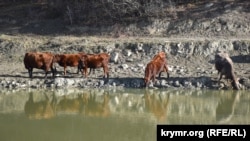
{"x":190,"y":32}
{"x":190,"y":18}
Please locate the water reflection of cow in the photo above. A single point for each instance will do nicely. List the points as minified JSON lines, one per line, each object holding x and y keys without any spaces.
{"x":94,"y":108}
{"x":70,"y":105}
{"x":156,"y":105}
{"x":226,"y":107}
{"x":84,"y":104}
{"x":39,"y":109}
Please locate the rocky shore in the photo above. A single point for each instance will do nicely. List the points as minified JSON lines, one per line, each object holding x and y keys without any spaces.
{"x":190,"y":62}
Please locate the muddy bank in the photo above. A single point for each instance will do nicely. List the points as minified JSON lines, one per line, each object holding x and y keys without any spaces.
{"x":190,"y":62}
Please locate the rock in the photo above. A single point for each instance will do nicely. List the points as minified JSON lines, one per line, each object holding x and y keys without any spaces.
{"x":163,"y":82}
{"x":129,"y":60}
{"x":140,"y":65}
{"x":114,"y":57}
{"x":101,"y":83}
{"x":127,"y":53}
{"x":139,"y":47}
{"x":177,"y":83}
{"x":124,"y":66}
{"x":60,"y":82}
{"x":69,"y":82}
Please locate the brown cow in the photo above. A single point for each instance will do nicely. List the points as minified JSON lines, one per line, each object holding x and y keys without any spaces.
{"x":224,"y":66}
{"x":156,"y":66}
{"x":156,"y":105}
{"x":39,"y":60}
{"x":93,"y":61}
{"x":39,"y":110}
{"x":71,"y":60}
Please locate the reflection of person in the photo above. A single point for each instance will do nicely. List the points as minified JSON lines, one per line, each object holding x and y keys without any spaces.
{"x":156,"y":105}
{"x":226,"y":106}
{"x":38,"y":110}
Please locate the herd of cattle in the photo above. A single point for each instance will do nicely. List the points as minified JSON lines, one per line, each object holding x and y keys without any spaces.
{"x":46,"y":61}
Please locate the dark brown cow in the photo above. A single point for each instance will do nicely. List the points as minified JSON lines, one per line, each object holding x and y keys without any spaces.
{"x":71,"y":60}
{"x":38,"y":110}
{"x":157,"y":106}
{"x":156,"y":66}
{"x":224,"y":65}
{"x":39,"y":60}
{"x":93,"y":61}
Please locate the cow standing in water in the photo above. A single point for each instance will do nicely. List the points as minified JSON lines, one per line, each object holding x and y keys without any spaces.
{"x":224,"y":66}
{"x":39,"y":60}
{"x":156,"y":66}
{"x":94,"y":61}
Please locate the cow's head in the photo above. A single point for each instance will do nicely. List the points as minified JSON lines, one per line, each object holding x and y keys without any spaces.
{"x":57,"y":58}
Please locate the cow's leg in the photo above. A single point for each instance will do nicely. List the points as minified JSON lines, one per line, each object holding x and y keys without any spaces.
{"x":219,"y":80}
{"x":46,"y":71}
{"x":153,"y":78}
{"x":53,"y":71}
{"x":220,"y":77}
{"x":64,"y":70}
{"x":85,"y":72}
{"x":90,"y":70}
{"x":78,"y":69}
{"x":160,"y":75}
{"x":30,"y":72}
{"x":166,"y":70}
{"x":146,"y":83}
{"x":106,"y":73}
{"x":167,"y":74}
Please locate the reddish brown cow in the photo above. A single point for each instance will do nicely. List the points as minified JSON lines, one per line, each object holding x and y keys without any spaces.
{"x":71,"y":60}
{"x":39,"y":60}
{"x":93,"y":61}
{"x":157,"y":65}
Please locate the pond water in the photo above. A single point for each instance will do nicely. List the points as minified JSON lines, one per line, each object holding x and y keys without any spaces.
{"x":107,"y":115}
